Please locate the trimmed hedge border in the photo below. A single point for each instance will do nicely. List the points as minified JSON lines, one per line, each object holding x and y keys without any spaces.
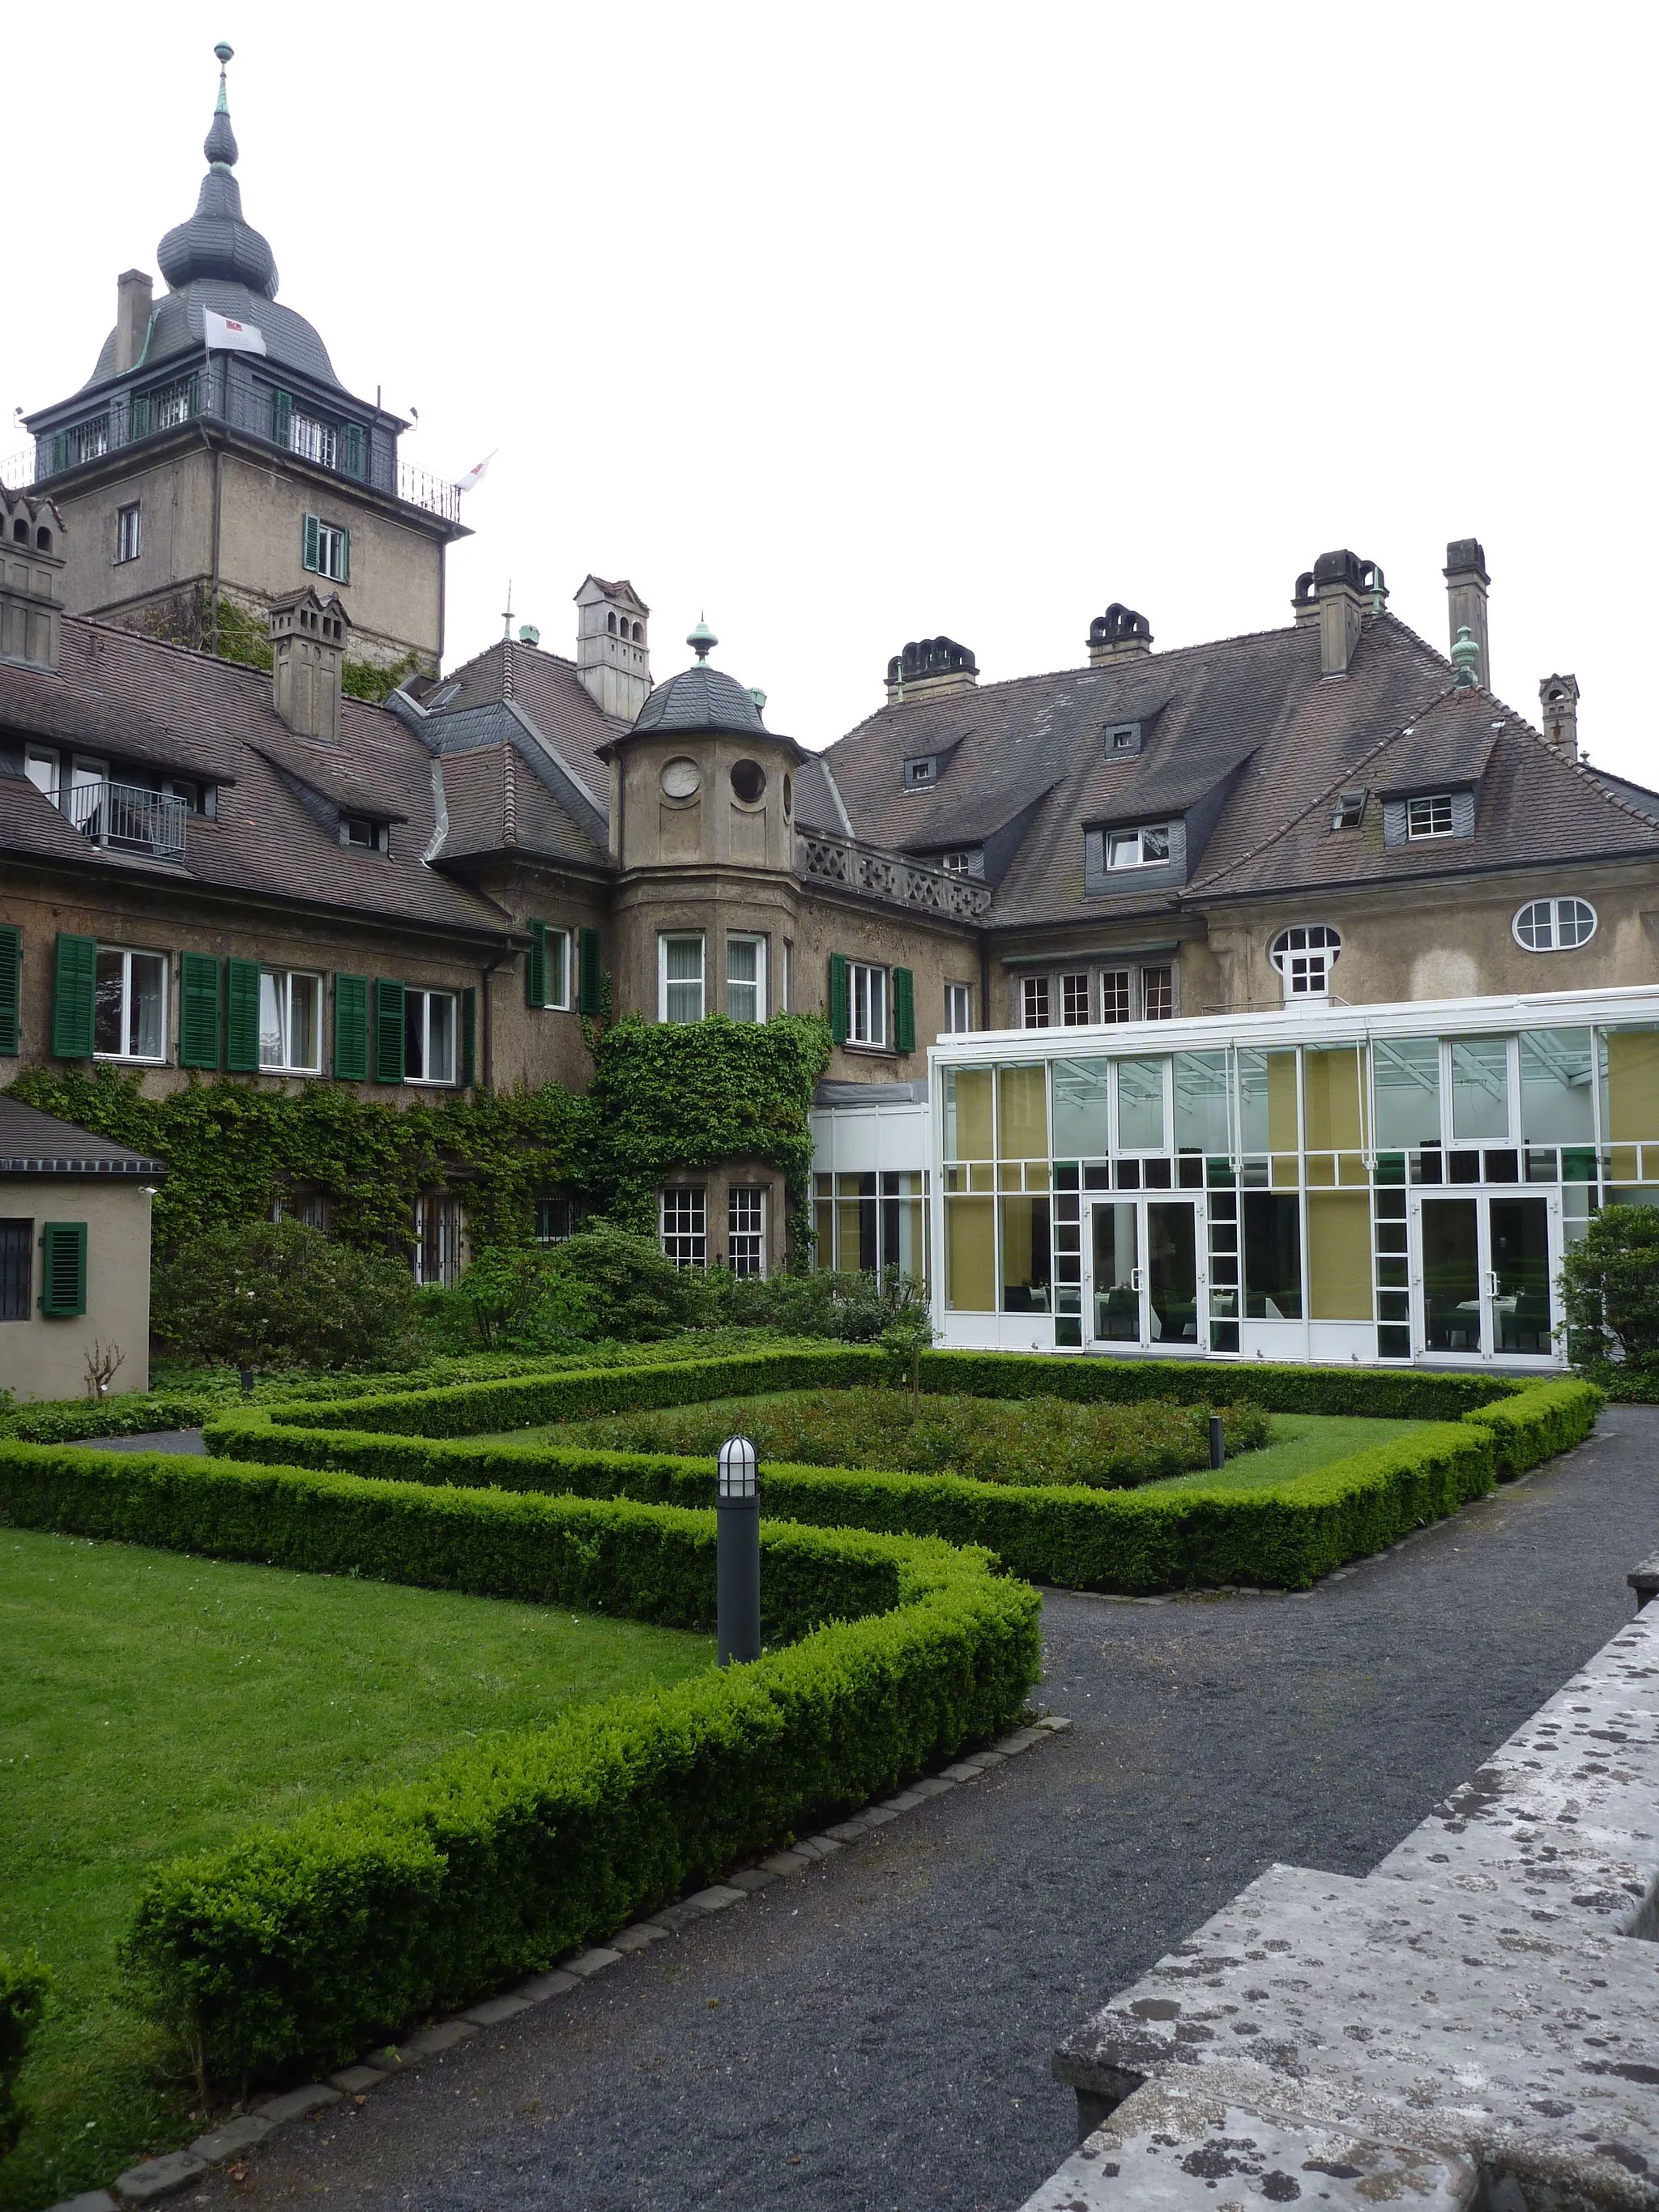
{"x":1133,"y":1541}
{"x":304,"y":1945}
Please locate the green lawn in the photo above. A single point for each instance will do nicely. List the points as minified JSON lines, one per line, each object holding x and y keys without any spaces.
{"x":1302,"y":1441}
{"x":154,"y":1705}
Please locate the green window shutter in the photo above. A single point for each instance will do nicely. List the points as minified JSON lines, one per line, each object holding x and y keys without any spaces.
{"x":242,"y":1017}
{"x":587,"y":956}
{"x":469,"y":1039}
{"x":282,"y":417}
{"x":11,"y":989}
{"x":904,"y":1010}
{"x":198,"y":1010}
{"x":351,"y":1028}
{"x":194,"y":401}
{"x":63,"y":1276}
{"x":535,"y":966}
{"x":841,"y":1006}
{"x":141,"y":414}
{"x":345,"y":556}
{"x":388,"y":1032}
{"x":59,"y":450}
{"x":75,"y":983}
{"x":311,"y":555}
{"x":355,"y":445}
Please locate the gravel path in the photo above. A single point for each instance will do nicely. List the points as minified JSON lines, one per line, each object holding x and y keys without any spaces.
{"x":876,"y":2033}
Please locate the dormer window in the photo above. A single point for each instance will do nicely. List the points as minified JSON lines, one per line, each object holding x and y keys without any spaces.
{"x":920,"y":773}
{"x":1147,"y":846}
{"x":1350,"y":809}
{"x":1430,"y":816}
{"x":363,"y":832}
{"x":1123,"y":739}
{"x":966,"y":860}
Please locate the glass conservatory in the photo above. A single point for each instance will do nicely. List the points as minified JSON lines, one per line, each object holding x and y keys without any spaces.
{"x":1380,"y":1184}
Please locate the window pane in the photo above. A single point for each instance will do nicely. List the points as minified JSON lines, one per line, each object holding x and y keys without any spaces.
{"x":415,"y":1035}
{"x":1480,"y":1087}
{"x":683,"y":973}
{"x":1034,"y":1002}
{"x":1630,"y":1070}
{"x":440,"y":1067}
{"x":108,"y":1029}
{"x":558,"y":968}
{"x":970,"y":1255}
{"x":1558,"y":1104}
{"x":272,"y":1046}
{"x":1266,"y":1101}
{"x":1272,"y":1257}
{"x":1203,"y":1123}
{"x":1406,"y":1073}
{"x":968,"y":1114}
{"x":147,"y":988}
{"x":1022,"y":1113}
{"x":684,"y":956}
{"x":1140,"y":1105}
{"x":305,"y":1005}
{"x":1339,"y":1255}
{"x":1330,"y":1082}
{"x":1074,"y":1000}
{"x":1155,"y":844}
{"x":1114,"y":994}
{"x":1081,"y":1093}
{"x":1025,"y":1261}
{"x":743,"y":979}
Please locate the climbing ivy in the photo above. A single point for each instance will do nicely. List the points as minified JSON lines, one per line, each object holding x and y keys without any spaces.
{"x":234,"y":633}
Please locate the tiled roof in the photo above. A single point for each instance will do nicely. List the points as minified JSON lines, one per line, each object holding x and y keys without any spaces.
{"x":33,"y":1143}
{"x":550,"y":693}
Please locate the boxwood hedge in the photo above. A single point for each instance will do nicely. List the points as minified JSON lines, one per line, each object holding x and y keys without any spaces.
{"x":304,"y":1944}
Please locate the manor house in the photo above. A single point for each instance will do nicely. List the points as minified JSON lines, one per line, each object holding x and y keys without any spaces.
{"x":1284,"y":983}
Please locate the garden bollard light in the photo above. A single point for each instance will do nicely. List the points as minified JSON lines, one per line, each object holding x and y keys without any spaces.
{"x":1217,"y":1441}
{"x":736,"y":1567}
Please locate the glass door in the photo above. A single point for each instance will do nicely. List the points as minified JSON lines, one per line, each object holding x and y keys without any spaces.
{"x":1143,"y":1273}
{"x":1487,"y":1262}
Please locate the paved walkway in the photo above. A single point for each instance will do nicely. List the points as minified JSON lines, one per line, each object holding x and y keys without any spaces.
{"x":152,"y":1440}
{"x":875,"y":2034}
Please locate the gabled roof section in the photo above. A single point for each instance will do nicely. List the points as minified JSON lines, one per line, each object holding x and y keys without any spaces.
{"x":551,"y":696}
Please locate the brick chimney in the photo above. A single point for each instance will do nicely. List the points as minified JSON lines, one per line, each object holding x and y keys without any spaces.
{"x":930,"y":666}
{"x":1557,"y":695}
{"x":307,"y":649}
{"x":1465,"y":599}
{"x":134,"y":293}
{"x":1119,"y":635}
{"x":31,"y":579}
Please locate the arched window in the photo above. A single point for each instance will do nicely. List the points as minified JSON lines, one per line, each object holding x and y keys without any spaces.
{"x":1305,"y":956}
{"x":638,"y":633}
{"x":611,"y":620}
{"x":1554,"y":925}
{"x":43,"y":539}
{"x":20,"y":531}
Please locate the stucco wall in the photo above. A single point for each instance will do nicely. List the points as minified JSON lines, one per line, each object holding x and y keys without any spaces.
{"x":175,"y":502}
{"x":41,"y":1358}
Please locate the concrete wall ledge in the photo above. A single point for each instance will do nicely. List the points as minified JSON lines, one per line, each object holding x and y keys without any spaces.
{"x":1475,"y":2022}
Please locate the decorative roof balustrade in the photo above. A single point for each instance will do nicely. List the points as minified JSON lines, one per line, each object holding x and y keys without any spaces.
{"x":820,"y":858}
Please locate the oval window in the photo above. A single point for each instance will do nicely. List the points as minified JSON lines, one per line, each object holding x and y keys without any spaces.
{"x":681,"y":778}
{"x":789,"y":795}
{"x":1554,"y":925}
{"x":1305,"y":956}
{"x":748,"y":781}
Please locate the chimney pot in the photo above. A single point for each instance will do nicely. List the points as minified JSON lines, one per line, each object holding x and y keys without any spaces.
{"x":929,"y":667}
{"x":134,"y":295}
{"x":1120,"y":633}
{"x":1346,"y":591}
{"x":31,"y":579}
{"x":1557,"y":695}
{"x":1466,"y":600}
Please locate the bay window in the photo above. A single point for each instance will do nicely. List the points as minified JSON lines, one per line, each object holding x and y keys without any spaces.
{"x":745,"y":978}
{"x":680,"y":978}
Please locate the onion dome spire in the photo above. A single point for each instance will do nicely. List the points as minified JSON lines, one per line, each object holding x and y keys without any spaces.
{"x":703,"y":640}
{"x":217,"y":242}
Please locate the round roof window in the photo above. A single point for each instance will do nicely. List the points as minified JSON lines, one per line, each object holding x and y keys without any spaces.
{"x":748,"y":781}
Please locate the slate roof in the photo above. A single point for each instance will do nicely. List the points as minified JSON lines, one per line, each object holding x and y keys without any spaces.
{"x":1244,"y":738}
{"x":33,"y":1143}
{"x":700,"y":698}
{"x":139,"y":700}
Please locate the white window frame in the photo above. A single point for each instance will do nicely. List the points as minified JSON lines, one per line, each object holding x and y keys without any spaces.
{"x":682,"y":983}
{"x":375,"y":840}
{"x":1071,"y":1014}
{"x":921,"y":772}
{"x":1554,"y":913}
{"x":313,"y":439}
{"x":785,"y":955}
{"x":428,"y":1001}
{"x":129,"y":532}
{"x":283,"y":981}
{"x":169,"y":405}
{"x":683,"y":1219}
{"x":1305,"y":954}
{"x":1128,"y":1000}
{"x":1439,"y":820}
{"x":126,"y":958}
{"x":330,"y":552}
{"x":736,"y":985}
{"x":1127,"y":848}
{"x":745,"y":1229}
{"x":556,"y":968}
{"x":1160,"y":968}
{"x":957,"y":863}
{"x":1035,"y":1002}
{"x":958,"y":1009}
{"x":866,"y":1006}
{"x":43,"y":757}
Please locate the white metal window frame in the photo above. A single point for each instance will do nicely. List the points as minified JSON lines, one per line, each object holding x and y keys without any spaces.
{"x":1147,"y":845}
{"x":685,"y":1223}
{"x":957,"y":863}
{"x":745,"y":995}
{"x":1036,"y":1003}
{"x":156,"y":965}
{"x":866,"y":1005}
{"x":958,"y":1009}
{"x":277,"y":1018}
{"x":435,"y":1023}
{"x":1304,"y":955}
{"x":745,"y":1229}
{"x":1429,"y":815}
{"x":556,"y":970}
{"x":1540,"y":926}
{"x":42,"y":767}
{"x":685,"y":985}
{"x":330,"y":552}
{"x":129,"y":533}
{"x":313,"y":440}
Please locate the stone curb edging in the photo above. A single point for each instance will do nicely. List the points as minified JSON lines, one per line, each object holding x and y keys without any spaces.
{"x":239,"y":2132}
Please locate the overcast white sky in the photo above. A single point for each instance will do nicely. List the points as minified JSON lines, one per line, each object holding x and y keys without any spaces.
{"x":857,"y":324}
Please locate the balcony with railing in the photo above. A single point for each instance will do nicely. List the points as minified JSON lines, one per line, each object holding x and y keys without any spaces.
{"x":129,"y":417}
{"x":127,"y":819}
{"x":842,"y":861}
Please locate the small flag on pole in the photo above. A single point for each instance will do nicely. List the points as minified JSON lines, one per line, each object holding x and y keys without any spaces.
{"x":224,"y":334}
{"x":475,"y":475}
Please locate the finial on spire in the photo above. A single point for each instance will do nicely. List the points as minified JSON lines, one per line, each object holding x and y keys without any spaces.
{"x":1465,"y":659}
{"x":221,"y":147}
{"x":703,"y":640}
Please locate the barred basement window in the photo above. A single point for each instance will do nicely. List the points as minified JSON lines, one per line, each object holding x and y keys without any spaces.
{"x":555,"y":1220}
{"x":686,"y":1224}
{"x":438,"y":1238}
{"x":745,"y":1230}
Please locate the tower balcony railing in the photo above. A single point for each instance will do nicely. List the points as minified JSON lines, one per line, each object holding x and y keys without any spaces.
{"x":129,"y":417}
{"x":122,"y":816}
{"x":823,"y":858}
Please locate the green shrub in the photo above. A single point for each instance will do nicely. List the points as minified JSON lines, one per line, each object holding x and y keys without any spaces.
{"x":25,"y":1986}
{"x":1034,"y":1441}
{"x":62,"y":1421}
{"x":634,"y":1288}
{"x":854,"y":1307}
{"x":517,"y":1299}
{"x":274,"y":1293}
{"x":1547,"y":1419}
{"x":1610,"y":1285}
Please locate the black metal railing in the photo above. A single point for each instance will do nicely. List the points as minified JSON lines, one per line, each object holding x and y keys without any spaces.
{"x":130,"y":819}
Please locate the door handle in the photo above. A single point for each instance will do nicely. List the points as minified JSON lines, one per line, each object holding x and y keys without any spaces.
{"x":1134,"y":1278}
{"x":1492,"y":1282}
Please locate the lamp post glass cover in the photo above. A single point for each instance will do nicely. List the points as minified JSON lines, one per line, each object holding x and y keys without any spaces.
{"x":738,"y":1475}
